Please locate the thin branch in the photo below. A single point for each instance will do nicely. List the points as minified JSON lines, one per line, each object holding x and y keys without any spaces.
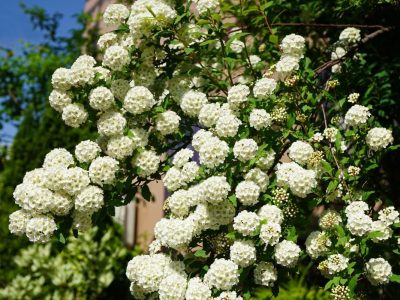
{"x":265,"y":17}
{"x":352,"y":50}
{"x":327,"y":25}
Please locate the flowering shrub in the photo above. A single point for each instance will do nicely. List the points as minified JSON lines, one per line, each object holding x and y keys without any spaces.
{"x":176,"y":77}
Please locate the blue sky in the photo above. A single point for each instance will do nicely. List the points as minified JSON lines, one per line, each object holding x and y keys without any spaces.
{"x":15,"y":26}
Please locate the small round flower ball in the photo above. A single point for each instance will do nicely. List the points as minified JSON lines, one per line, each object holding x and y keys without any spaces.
{"x":59,"y":100}
{"x":178,"y":203}
{"x":265,"y":162}
{"x":379,"y":138}
{"x":389,"y":215}
{"x":209,"y":114}
{"x":36,"y":177}
{"x":120,"y":147}
{"x":17,"y":221}
{"x":168,"y":122}
{"x":115,"y":14}
{"x":84,"y":61}
{"x":173,"y":179}
{"x":200,"y":138}
{"x":101,"y":98}
{"x":58,"y":157}
{"x":246,"y":223}
{"x":40,"y":229}
{"x":359,"y":224}
{"x":378,"y":271}
{"x":182,"y":157}
{"x":103,"y":170}
{"x":120,"y":88}
{"x":81,"y":76}
{"x":300,"y":152}
{"x":61,"y":79}
{"x":102,"y":74}
{"x":260,"y":119}
{"x":329,"y":219}
{"x":350,"y":35}
{"x":189,"y":172}
{"x":287,"y":253}
{"x":245,"y":149}
{"x":111,"y":123}
{"x":86,"y":151}
{"x":270,"y":233}
{"x":285,"y":171}
{"x":116,"y":58}
{"x":286,"y":66}
{"x":172,"y":287}
{"x":89,"y":200}
{"x":243,"y":253}
{"x":215,"y":189}
{"x":237,"y":95}
{"x":259,"y":177}
{"x":148,"y":162}
{"x":192,"y":102}
{"x":220,"y":214}
{"x":106,"y":40}
{"x":62,"y":204}
{"x":213,"y":152}
{"x":264,"y":87}
{"x":247,"y":192}
{"x":138,"y":100}
{"x":356,"y":207}
{"x":75,"y":180}
{"x":340,"y":292}
{"x":237,"y":46}
{"x":384,"y":230}
{"x":302,"y":182}
{"x":223,"y":274}
{"x":197,"y":290}
{"x":357,"y":115}
{"x":139,"y":136}
{"x":74,"y":115}
{"x":265,"y":274}
{"x":174,"y":233}
{"x":317,"y":244}
{"x":207,"y":6}
{"x":227,"y":125}
{"x":293,"y":45}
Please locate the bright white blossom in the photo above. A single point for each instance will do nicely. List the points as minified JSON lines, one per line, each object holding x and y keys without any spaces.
{"x":264,"y":87}
{"x":287,"y":253}
{"x":223,"y":274}
{"x":379,"y":138}
{"x":357,"y":115}
{"x":74,"y":115}
{"x":265,"y":274}
{"x":247,"y":192}
{"x":246,"y":222}
{"x":116,"y":58}
{"x":86,"y":151}
{"x":168,"y":122}
{"x":300,"y":152}
{"x":243,"y":253}
{"x":259,"y":119}
{"x":40,"y":229}
{"x":378,"y":271}
{"x":350,"y":35}
{"x":103,"y":170}
{"x":245,"y":149}
{"x":115,"y":14}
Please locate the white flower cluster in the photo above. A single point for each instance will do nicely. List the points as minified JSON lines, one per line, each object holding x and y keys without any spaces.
{"x":378,"y":271}
{"x":379,"y":138}
{"x":357,"y":115}
{"x":317,"y":244}
{"x":223,"y":274}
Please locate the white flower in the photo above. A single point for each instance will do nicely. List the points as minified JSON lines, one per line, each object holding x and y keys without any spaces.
{"x":111,"y":123}
{"x":357,"y":115}
{"x":228,"y":296}
{"x":106,"y":40}
{"x":266,"y":162}
{"x":254,"y":59}
{"x":220,"y":214}
{"x":59,"y":100}
{"x":227,"y":125}
{"x":74,"y":115}
{"x":330,"y":134}
{"x":174,"y":233}
{"x":237,"y":95}
{"x":172,"y":287}
{"x":300,"y":152}
{"x":173,"y":179}
{"x":40,"y":229}
{"x":246,"y":222}
{"x":237,"y":46}
{"x":178,"y":203}
{"x":209,"y":114}
{"x":182,"y":157}
{"x":32,"y":198}
{"x":120,"y":88}
{"x":101,"y":98}
{"x":359,"y":224}
{"x":102,"y":74}
{"x":350,"y":35}
{"x":333,"y":264}
{"x":189,"y":172}
{"x":84,"y":61}
{"x":383,"y":229}
{"x":265,"y":274}
{"x":205,"y":6}
{"x":270,"y":233}
{"x":215,"y":189}
{"x":317,"y":137}
{"x":192,"y":102}
{"x":264,"y":87}
{"x":259,"y":177}
{"x":213,"y":152}
{"x":353,"y":170}
{"x":260,"y":119}
{"x":271,"y":213}
{"x":139,"y":136}
{"x":167,"y":122}
{"x":223,"y":274}
{"x":329,"y":219}
{"x":317,"y":244}
{"x":353,"y":97}
{"x":243,"y":253}
{"x":155,"y":247}
{"x":17,"y":221}
{"x":287,"y":253}
{"x":86,"y":151}
{"x":284,"y":172}
{"x":286,"y":66}
{"x":389,"y":215}
{"x":82,"y":75}
{"x":89,"y":200}
{"x":74,"y":180}
{"x":62,"y":204}
{"x":247,"y":192}
{"x":61,"y":79}
{"x":58,"y":157}
{"x":245,"y":149}
{"x":197,"y":290}
{"x":200,"y":138}
{"x":103,"y":170}
{"x":302,"y":182}
{"x":138,"y":100}
{"x":356,"y":207}
{"x":115,"y":14}
{"x":293,"y":45}
{"x":36,"y":177}
{"x":119,"y":147}
{"x":379,"y":138}
{"x":148,"y":162}
{"x":116,"y":58}
{"x":378,"y":271}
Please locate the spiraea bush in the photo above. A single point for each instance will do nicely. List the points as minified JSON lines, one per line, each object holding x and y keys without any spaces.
{"x":276,"y":144}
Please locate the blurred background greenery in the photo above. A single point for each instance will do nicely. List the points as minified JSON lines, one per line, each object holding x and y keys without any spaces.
{"x":93,"y":266}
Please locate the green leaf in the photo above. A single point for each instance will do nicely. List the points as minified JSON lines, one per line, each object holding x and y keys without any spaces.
{"x":273,"y":39}
{"x":231,"y":235}
{"x":146,"y":193}
{"x":395,"y":278}
{"x":291,"y":234}
{"x":200,"y":253}
{"x":233,"y":200}
{"x":61,"y":238}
